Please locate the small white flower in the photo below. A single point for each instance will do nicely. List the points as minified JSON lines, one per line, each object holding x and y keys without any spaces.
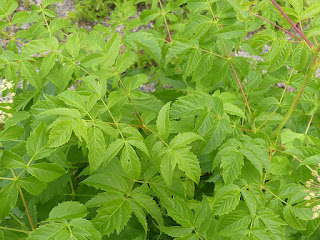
{"x":9,"y":85}
{"x":315,"y":215}
{"x":13,"y":94}
{"x":10,"y":101}
{"x":8,"y":108}
{"x":9,"y":115}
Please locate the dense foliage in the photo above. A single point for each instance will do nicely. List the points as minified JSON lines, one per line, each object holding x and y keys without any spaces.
{"x":216,"y":151}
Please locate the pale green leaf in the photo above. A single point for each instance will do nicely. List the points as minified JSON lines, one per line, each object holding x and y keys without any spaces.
{"x":60,"y":134}
{"x":8,"y":199}
{"x":11,"y":160}
{"x":32,"y":185}
{"x":113,"y":216}
{"x":68,"y":210}
{"x":231,"y":163}
{"x":46,"y":172}
{"x":226,"y":199}
{"x":97,"y":148}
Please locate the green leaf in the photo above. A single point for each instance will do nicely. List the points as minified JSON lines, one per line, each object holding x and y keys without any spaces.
{"x":176,"y":231}
{"x":72,"y":98}
{"x":278,"y":54}
{"x":73,"y":45}
{"x":234,"y":31}
{"x":37,"y":142}
{"x":177,"y":48}
{"x":8,"y":199}
{"x":47,"y":231}
{"x":113,"y":216}
{"x":68,"y":210}
{"x":150,"y":205}
{"x":188,"y":163}
{"x":45,"y":3}
{"x":311,"y":11}
{"x":46,"y":172}
{"x":256,"y":153}
{"x":149,"y":43}
{"x":166,"y":167}
{"x":203,"y":68}
{"x":12,"y":160}
{"x":250,"y":200}
{"x":163,"y":123}
{"x":183,"y":139}
{"x":273,"y":222}
{"x":32,"y":185}
{"x":193,"y":61}
{"x":130,"y":161}
{"x":47,"y":64}
{"x":11,"y":133}
{"x":139,"y":213}
{"x":28,"y":71}
{"x":97,"y":148}
{"x":60,"y":134}
{"x":226,"y":199}
{"x":231,"y":163}
{"x":233,"y":110}
{"x":179,"y":211}
{"x":233,"y":222}
{"x":215,"y":136}
{"x":107,"y":181}
{"x":292,"y":219}
{"x":112,"y":48}
{"x":300,"y":57}
{"x":113,"y":149}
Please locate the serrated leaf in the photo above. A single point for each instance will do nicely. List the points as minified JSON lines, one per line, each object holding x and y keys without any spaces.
{"x":97,"y":148}
{"x":72,"y":98}
{"x":273,"y":222}
{"x":278,"y":54}
{"x":68,"y":210}
{"x":73,"y":45}
{"x":234,"y":31}
{"x":292,"y":219}
{"x":226,"y":199}
{"x":139,"y":213}
{"x":32,"y":185}
{"x":47,"y":64}
{"x":11,"y":160}
{"x":37,"y":141}
{"x":46,"y":172}
{"x":179,"y":211}
{"x":166,"y":168}
{"x":113,"y":216}
{"x":183,"y":139}
{"x":193,"y":61}
{"x":188,"y":163}
{"x":300,"y":57}
{"x":47,"y":232}
{"x":231,"y":163}
{"x":60,"y":134}
{"x":28,"y":71}
{"x":233,"y":110}
{"x":130,"y":161}
{"x":310,"y":12}
{"x":163,"y":123}
{"x":233,"y":222}
{"x":149,"y":43}
{"x":150,"y":205}
{"x":8,"y":199}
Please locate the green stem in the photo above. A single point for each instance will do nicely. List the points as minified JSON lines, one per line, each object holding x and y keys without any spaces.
{"x":15,"y":230}
{"x":312,"y":68}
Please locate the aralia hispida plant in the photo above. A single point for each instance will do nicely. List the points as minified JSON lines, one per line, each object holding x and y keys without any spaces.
{"x":214,"y":151}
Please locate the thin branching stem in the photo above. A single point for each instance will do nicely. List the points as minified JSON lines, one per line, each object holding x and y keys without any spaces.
{"x":277,"y":26}
{"x":312,"y":68}
{"x":292,"y":24}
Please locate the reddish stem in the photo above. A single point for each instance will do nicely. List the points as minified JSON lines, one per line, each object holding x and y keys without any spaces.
{"x":276,"y":26}
{"x":293,"y":25}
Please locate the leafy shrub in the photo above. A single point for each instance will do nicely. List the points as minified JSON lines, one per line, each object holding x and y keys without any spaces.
{"x":216,"y":151}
